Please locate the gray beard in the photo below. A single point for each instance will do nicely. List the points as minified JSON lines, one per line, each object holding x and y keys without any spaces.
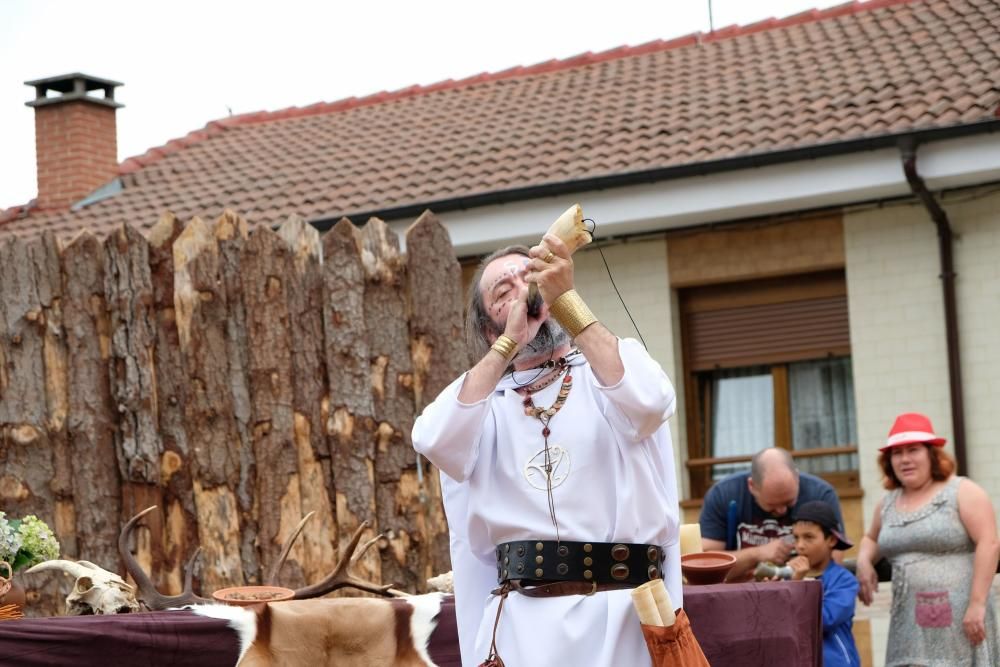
{"x":549,"y":337}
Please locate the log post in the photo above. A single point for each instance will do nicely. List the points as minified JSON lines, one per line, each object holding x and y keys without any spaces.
{"x":179,"y":516}
{"x":56,"y":388}
{"x":397,"y":488}
{"x":351,"y":424}
{"x":437,"y":347}
{"x":231,"y":233}
{"x":128,"y":289}
{"x":29,"y":285}
{"x":305,"y":304}
{"x":201,"y":313}
{"x":96,"y":484}
{"x":267,"y":274}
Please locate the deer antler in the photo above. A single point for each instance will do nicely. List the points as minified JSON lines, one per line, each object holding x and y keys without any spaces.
{"x":153,"y":598}
{"x":272,"y":576}
{"x":340,"y":577}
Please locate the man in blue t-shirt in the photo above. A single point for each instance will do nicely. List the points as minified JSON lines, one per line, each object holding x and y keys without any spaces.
{"x":750,"y":515}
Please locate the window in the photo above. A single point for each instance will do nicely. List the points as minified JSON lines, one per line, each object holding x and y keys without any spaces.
{"x":740,"y":416}
{"x":768,"y":364}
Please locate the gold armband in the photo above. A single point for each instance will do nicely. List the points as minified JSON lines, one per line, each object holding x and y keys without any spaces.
{"x":572,"y":313}
{"x":505,"y":347}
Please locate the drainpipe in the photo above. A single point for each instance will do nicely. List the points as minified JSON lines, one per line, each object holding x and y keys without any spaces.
{"x":908,"y":154}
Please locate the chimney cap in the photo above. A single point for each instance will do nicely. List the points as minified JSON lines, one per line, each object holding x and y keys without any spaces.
{"x":73,"y":87}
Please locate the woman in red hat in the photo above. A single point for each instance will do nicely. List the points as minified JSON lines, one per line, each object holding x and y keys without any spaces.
{"x":939,"y":532}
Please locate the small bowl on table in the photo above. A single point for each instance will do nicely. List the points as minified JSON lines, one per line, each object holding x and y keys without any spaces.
{"x":707,"y":567}
{"x":247,"y":596}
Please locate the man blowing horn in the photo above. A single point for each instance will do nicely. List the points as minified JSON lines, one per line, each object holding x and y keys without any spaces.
{"x":558,"y":440}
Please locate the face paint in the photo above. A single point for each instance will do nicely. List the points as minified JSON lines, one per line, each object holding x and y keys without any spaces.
{"x":511,"y":270}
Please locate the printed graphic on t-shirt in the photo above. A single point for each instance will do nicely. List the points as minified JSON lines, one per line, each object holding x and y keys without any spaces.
{"x":756,"y":534}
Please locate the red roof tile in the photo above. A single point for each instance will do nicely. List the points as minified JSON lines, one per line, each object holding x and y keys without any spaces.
{"x":846,"y":73}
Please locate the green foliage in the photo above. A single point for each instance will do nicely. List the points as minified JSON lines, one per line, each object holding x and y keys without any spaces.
{"x":26,"y":542}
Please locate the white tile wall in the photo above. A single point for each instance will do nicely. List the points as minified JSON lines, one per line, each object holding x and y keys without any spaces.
{"x":898,"y":338}
{"x":977,"y":263}
{"x":639,"y":269}
{"x":897,"y":328}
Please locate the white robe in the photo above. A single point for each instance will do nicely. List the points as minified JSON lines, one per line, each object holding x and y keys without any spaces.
{"x":620,"y":487}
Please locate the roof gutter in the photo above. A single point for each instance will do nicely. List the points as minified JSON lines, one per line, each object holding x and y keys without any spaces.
{"x":409,"y":211}
{"x":908,"y":155}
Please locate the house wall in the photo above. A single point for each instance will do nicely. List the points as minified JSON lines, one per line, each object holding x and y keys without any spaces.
{"x":898,"y":341}
{"x":898,"y":334}
{"x":640,"y":271}
{"x":977,"y":261}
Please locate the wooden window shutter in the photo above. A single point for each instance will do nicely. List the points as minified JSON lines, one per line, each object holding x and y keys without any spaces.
{"x":766,"y":321}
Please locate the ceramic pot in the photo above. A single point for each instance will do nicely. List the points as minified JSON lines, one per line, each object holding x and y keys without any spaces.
{"x":707,"y":567}
{"x":246,"y":596}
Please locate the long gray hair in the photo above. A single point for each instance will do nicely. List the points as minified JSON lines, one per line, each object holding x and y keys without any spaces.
{"x":479,"y":326}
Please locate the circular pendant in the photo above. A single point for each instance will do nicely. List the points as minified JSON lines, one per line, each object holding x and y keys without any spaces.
{"x":537,"y":474}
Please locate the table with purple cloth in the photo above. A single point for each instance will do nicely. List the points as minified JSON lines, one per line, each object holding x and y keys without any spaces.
{"x":177,"y":638}
{"x":770,"y":623}
{"x":774,"y":623}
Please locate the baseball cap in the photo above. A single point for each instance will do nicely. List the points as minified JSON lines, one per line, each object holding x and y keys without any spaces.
{"x":822,"y":513}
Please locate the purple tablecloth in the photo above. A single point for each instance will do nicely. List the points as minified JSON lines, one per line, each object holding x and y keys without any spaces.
{"x":176,"y":638}
{"x":775,"y":623}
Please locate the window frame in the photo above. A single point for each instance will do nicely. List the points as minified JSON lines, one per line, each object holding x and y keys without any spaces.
{"x":694,"y":299}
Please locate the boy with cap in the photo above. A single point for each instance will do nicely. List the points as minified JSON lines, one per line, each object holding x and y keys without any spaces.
{"x":817,"y":534}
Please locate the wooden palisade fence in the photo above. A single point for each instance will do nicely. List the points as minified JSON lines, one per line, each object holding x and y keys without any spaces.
{"x":238,"y":381}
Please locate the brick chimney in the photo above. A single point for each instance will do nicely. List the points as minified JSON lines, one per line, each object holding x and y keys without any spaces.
{"x":76,"y":144}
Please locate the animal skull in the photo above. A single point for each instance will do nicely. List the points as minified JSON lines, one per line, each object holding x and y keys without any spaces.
{"x":96,"y":591}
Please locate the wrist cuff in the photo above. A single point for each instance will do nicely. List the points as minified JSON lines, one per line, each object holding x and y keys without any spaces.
{"x":505,"y":346}
{"x":572,"y":313}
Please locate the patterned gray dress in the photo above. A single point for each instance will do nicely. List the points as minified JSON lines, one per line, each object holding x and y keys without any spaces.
{"x":931,"y":556}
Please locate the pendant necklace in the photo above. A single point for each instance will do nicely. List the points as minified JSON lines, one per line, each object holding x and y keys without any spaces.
{"x":548,"y":468}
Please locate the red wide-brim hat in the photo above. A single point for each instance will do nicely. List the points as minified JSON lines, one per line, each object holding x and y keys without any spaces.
{"x":911,"y":428}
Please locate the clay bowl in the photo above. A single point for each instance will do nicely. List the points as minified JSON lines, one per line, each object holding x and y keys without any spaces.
{"x":245,"y":596}
{"x":707,"y":567}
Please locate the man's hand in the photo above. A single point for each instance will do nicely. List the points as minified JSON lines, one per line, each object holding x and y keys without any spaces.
{"x":521,"y":328}
{"x":553,"y":274}
{"x":775,"y":551}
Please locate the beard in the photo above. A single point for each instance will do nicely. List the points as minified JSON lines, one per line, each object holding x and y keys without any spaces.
{"x":550,"y":336}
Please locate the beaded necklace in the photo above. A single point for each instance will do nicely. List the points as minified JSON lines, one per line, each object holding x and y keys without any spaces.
{"x":545,"y":415}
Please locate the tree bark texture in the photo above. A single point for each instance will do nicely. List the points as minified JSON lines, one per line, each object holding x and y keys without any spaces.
{"x":128,"y":288}
{"x":96,"y":486}
{"x":318,"y":552}
{"x":178,"y":515}
{"x":267,"y":274}
{"x":351,"y":423}
{"x":201,"y":314}
{"x":437,"y":348}
{"x":232,"y":232}
{"x":31,"y":432}
{"x":237,"y":381}
{"x":401,"y":515}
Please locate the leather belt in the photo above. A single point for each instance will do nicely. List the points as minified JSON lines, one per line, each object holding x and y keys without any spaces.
{"x":560,"y":588}
{"x":544,"y":562}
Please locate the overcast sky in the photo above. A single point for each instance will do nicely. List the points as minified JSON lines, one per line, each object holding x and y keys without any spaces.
{"x":185,"y":63}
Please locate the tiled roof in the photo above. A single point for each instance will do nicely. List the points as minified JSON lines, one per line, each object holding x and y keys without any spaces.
{"x":858,"y":70}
